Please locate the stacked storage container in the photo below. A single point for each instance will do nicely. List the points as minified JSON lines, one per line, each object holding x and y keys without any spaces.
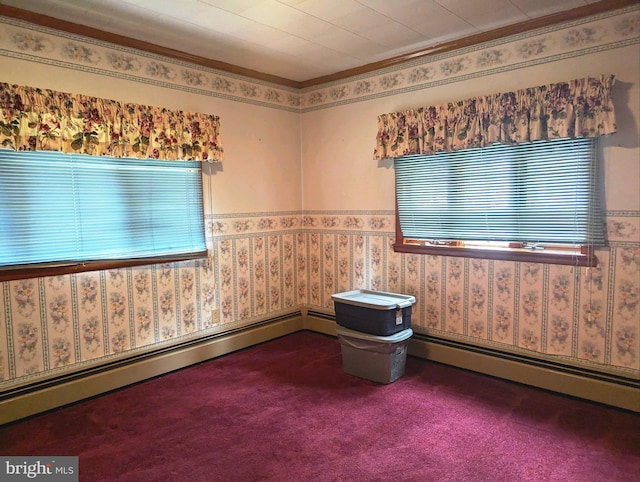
{"x":374,"y":328}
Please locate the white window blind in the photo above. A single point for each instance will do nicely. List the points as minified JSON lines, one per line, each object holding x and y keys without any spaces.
{"x":60,"y":208}
{"x":539,"y":192}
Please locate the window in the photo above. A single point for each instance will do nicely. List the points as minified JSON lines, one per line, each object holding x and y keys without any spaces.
{"x":67,"y":212}
{"x":537,"y":201}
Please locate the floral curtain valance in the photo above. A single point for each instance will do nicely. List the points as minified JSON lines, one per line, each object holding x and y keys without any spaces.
{"x":46,"y":120}
{"x":578,"y":108}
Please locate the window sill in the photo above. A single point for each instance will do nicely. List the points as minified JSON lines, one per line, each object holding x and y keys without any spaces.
{"x":545,"y":256}
{"x":26,"y":272}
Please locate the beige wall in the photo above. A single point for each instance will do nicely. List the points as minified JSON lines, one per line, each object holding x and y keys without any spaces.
{"x":298,"y":210}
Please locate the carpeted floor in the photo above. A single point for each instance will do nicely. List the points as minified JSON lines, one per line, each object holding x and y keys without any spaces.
{"x":286,"y":411}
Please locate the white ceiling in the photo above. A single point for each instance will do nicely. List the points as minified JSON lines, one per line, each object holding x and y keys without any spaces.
{"x":298,"y":40}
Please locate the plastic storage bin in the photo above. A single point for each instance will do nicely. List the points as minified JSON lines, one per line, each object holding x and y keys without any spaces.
{"x":373,"y":312}
{"x":380,"y":359}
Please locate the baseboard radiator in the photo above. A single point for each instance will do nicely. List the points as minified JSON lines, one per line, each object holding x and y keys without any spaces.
{"x":28,"y":400}
{"x":615,"y":390}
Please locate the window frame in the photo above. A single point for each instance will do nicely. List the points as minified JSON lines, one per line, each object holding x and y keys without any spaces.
{"x":53,"y":268}
{"x":11,"y":274}
{"x":547,"y":253}
{"x":581,"y":256}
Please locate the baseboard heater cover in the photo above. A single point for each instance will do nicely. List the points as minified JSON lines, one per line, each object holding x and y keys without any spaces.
{"x":581,"y":382}
{"x":532,"y":361}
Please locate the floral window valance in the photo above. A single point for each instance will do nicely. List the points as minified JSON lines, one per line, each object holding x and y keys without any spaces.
{"x":578,"y":108}
{"x":40,"y":119}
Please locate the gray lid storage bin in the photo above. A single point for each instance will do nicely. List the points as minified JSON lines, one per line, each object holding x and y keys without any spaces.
{"x":380,"y":359}
{"x":373,"y":312}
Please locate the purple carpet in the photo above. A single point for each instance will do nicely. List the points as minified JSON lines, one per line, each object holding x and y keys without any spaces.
{"x":286,"y":411}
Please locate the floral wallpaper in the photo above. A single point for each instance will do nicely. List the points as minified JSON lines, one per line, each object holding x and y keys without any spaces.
{"x":585,"y":316}
{"x":258,"y":265}
{"x":58,"y":322}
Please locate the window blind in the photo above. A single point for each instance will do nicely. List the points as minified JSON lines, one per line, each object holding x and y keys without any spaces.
{"x":60,"y":208}
{"x":538,"y":192}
